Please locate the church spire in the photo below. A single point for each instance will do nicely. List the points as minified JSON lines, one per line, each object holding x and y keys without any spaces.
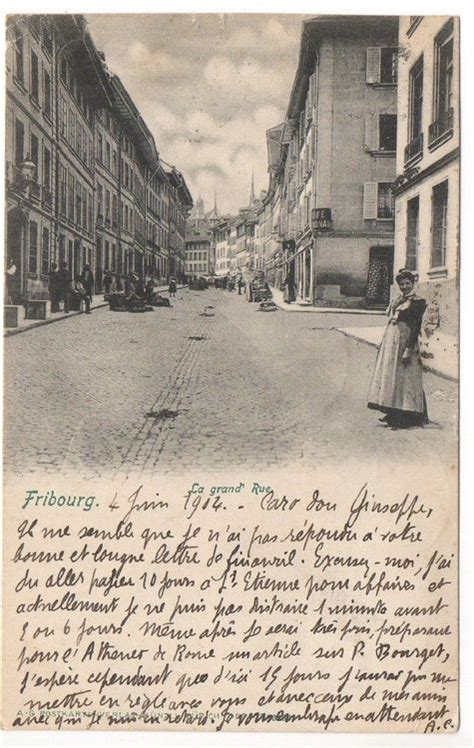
{"x":252,"y":191}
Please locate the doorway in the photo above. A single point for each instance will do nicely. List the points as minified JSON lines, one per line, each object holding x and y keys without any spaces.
{"x":14,"y":255}
{"x":379,"y":277}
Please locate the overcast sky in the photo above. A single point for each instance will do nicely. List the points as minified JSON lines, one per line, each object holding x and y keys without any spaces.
{"x":208,"y":86}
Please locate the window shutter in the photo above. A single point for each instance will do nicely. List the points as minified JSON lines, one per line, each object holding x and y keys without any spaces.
{"x":373,"y":65}
{"x":370,"y":200}
{"x":372,"y":132}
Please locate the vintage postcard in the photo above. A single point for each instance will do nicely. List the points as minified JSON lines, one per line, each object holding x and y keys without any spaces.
{"x":231,"y":277}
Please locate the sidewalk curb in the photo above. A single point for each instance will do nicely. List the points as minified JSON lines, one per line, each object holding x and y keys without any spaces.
{"x":59,"y":318}
{"x":49,"y":321}
{"x":426,"y":367}
{"x":309,"y":309}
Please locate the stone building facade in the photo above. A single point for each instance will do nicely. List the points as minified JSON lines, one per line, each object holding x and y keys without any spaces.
{"x":427,"y":185}
{"x":80,"y":160}
{"x":336,"y":165}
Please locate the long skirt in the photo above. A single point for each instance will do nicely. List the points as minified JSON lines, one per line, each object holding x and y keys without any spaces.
{"x":397,"y":387}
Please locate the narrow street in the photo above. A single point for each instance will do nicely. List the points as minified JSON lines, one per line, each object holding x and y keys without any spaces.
{"x":208,"y":384}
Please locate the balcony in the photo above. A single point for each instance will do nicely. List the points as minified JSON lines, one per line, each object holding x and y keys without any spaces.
{"x":441,"y":129}
{"x":414,"y":150}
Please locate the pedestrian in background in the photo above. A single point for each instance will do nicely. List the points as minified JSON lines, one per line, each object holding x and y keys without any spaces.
{"x":54,"y":288}
{"x":11,"y":275}
{"x":78,"y":294}
{"x":240,"y":284}
{"x":150,"y":291}
{"x":107,"y":282}
{"x":87,"y":280}
{"x":64,"y":285}
{"x":397,"y":383}
{"x":289,"y":289}
{"x":172,"y":287}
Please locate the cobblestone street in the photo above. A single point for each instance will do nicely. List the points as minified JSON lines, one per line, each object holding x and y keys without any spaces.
{"x":238,"y":388}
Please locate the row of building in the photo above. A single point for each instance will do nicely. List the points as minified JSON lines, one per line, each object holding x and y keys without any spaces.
{"x":363,"y":172}
{"x":222,"y":245}
{"x":84,"y":179}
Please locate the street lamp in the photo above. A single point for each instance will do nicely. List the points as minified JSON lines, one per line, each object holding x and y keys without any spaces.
{"x":28,"y":171}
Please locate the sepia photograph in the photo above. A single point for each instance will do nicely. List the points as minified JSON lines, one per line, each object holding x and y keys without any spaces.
{"x":228,"y":233}
{"x":231,"y":372}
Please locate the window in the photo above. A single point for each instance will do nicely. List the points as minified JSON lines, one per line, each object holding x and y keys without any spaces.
{"x":70,"y":196}
{"x":47,"y":37}
{"x":47,"y":94}
{"x":388,"y":65}
{"x":78,"y":203}
{"x":388,"y":132}
{"x":84,"y":208}
{"x":443,"y":113}
{"x":45,"y":252}
{"x":100,"y":148}
{"x":72,"y":128}
{"x":107,"y":155}
{"x":107,"y":206}
{"x":379,"y":201}
{"x":381,"y":65}
{"x":413,"y":211}
{"x":62,"y":189}
{"x":78,"y":139}
{"x":114,"y":210}
{"x":63,"y":116}
{"x":416,"y":100}
{"x":64,"y":70}
{"x":19,"y":142}
{"x":19,"y":57}
{"x":46,"y":168}
{"x":100,"y":197}
{"x":34,"y":152}
{"x":90,"y":213}
{"x":33,"y":250}
{"x":439,"y":214}
{"x":34,"y":77}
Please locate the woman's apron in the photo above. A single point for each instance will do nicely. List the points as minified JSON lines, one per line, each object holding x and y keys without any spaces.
{"x":395,"y":384}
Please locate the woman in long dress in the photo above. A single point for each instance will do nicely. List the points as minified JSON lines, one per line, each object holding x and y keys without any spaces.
{"x":397,"y":383}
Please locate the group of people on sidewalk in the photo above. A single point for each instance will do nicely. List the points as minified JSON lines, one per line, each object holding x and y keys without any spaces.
{"x":71,"y":292}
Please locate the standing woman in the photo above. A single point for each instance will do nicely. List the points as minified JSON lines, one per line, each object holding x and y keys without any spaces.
{"x":397,"y":383}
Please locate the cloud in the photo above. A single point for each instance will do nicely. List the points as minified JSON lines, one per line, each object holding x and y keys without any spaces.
{"x":152,"y":64}
{"x":226,"y":154}
{"x":208,"y":87}
{"x":266,"y":32}
{"x":246,"y":80}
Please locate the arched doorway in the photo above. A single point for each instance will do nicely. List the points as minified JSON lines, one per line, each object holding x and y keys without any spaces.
{"x":16,"y":225}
